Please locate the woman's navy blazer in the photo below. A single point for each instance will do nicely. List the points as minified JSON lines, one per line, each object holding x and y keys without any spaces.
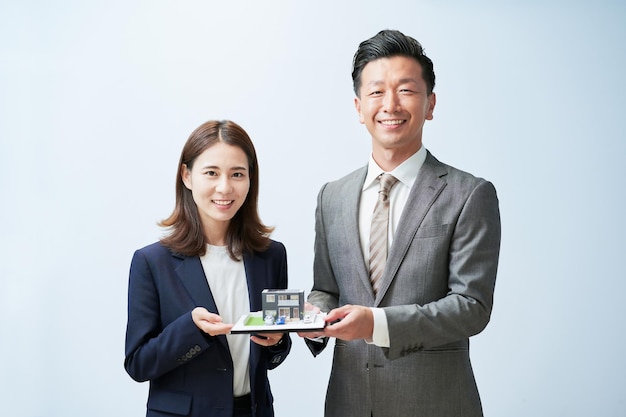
{"x":191,"y":372}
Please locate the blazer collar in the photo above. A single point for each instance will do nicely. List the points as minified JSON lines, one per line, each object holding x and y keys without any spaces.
{"x":193,"y":278}
{"x":351,"y":193}
{"x":254,"y":267}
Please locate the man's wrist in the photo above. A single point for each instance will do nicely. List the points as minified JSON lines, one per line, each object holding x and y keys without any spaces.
{"x":380,"y":334}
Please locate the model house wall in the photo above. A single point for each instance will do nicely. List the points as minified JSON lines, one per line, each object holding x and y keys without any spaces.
{"x":283,"y":303}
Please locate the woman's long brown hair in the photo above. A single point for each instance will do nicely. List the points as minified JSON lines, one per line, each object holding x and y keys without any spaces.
{"x":245,"y":233}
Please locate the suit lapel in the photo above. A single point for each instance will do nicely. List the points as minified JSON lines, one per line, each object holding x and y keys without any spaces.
{"x":192,"y":276}
{"x":427,"y":188}
{"x":256,"y":279}
{"x":350,"y":216}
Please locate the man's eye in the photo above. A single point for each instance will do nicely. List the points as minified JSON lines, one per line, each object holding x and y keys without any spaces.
{"x":375,"y":93}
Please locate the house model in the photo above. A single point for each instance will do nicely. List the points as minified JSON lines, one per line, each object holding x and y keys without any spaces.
{"x":282,"y":305}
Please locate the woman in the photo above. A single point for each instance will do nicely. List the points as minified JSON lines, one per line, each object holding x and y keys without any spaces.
{"x":186,"y":290}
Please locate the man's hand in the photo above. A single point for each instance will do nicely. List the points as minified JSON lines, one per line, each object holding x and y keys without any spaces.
{"x":349,"y":322}
{"x":313,"y":310}
{"x":209,"y":322}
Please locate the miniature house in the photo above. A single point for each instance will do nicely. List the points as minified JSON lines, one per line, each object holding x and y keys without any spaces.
{"x":287,"y":304}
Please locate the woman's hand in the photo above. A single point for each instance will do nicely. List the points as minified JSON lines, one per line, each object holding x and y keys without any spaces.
{"x":209,"y":322}
{"x":267,"y":339}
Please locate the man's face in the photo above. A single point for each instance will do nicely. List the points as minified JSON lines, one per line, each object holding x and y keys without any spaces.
{"x":393,"y":104}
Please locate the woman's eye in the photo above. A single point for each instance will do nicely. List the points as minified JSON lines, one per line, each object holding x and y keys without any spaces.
{"x":238,"y":175}
{"x":211,"y":173}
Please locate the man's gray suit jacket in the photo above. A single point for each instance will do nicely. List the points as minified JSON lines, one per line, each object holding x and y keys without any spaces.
{"x":437,"y":291}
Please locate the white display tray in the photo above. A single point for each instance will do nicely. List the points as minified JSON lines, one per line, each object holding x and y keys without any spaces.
{"x":253,"y":323}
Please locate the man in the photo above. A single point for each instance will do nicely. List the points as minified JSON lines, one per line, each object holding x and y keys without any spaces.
{"x":402,"y":342}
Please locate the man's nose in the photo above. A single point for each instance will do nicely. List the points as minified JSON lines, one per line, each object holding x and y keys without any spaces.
{"x":391,"y":102}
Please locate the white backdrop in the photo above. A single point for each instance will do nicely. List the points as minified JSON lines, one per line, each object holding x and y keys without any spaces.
{"x":97,"y":99}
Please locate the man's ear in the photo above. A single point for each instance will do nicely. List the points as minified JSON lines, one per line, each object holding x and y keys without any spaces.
{"x":357,"y":105}
{"x":432,"y":100}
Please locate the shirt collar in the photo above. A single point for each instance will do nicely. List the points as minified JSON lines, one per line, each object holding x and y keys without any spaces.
{"x":406,"y":172}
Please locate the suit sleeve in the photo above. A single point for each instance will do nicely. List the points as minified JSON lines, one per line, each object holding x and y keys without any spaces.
{"x":472,"y":253}
{"x":153,"y":350}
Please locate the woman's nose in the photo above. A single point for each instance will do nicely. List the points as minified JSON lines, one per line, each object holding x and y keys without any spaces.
{"x":223,"y":185}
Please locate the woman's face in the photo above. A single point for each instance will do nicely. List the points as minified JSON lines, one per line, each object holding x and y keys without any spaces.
{"x":219,"y":182}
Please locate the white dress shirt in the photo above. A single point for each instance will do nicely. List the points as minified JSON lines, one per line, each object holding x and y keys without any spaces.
{"x":227,"y":280}
{"x":406,"y":173}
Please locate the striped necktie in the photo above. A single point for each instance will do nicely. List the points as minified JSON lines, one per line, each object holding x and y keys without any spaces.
{"x":380,"y":230}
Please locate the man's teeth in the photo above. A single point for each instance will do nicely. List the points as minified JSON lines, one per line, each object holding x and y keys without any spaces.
{"x":392,"y":122}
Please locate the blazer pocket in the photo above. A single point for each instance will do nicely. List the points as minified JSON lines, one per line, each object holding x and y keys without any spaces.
{"x":432,"y":231}
{"x":170,"y":402}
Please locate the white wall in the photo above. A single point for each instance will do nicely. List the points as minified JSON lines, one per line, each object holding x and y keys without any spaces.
{"x":97,"y":99}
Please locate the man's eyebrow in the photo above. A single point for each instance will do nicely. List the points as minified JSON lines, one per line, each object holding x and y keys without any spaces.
{"x":408,"y":80}
{"x":374,"y":82}
{"x":401,"y":81}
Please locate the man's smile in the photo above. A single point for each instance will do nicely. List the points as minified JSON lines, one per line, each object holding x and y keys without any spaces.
{"x":392,"y":122}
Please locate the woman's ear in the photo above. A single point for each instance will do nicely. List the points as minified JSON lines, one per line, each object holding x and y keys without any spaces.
{"x":185,"y":175}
